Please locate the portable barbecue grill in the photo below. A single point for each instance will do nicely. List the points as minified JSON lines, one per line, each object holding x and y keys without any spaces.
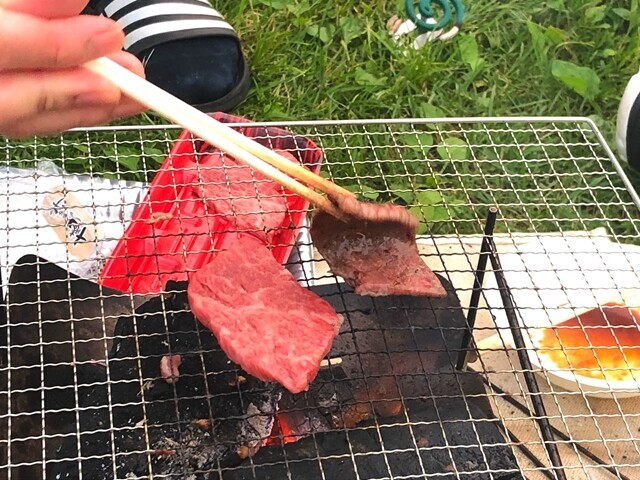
{"x":527,"y":221}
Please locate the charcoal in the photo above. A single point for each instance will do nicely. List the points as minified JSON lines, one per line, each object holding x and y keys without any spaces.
{"x":193,"y":425}
{"x":393,"y":351}
{"x":395,"y":348}
{"x":478,"y":446}
{"x":44,"y":345}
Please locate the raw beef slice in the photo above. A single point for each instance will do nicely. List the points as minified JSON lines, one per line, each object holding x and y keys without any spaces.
{"x":242,"y":194}
{"x":263,"y":319}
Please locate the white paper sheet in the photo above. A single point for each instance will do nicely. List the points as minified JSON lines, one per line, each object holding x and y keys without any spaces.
{"x":554,"y":277}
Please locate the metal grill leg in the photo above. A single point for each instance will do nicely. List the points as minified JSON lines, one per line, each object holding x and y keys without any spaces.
{"x":465,"y":352}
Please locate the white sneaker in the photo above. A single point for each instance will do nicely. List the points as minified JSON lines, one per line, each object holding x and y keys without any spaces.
{"x":628,"y":124}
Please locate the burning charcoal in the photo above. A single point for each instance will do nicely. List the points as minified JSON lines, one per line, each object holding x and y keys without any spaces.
{"x":394,"y":352}
{"x":448,"y":423}
{"x":329,"y":404}
{"x":291,"y":426}
{"x":352,"y":415}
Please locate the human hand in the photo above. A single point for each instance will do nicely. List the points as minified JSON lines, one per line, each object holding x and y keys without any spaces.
{"x":43,"y":87}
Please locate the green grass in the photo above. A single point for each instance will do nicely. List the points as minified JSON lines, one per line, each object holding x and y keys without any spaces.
{"x":502,"y":63}
{"x":315,"y":60}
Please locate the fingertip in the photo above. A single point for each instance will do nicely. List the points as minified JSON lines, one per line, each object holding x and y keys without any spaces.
{"x":56,"y":122}
{"x":128,"y":61}
{"x":103,"y":94}
{"x":38,"y":8}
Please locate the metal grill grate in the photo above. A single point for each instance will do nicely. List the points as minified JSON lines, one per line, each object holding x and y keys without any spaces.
{"x":567,"y":237}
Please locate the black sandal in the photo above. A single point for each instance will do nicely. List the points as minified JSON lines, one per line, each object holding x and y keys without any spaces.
{"x":186,"y":47}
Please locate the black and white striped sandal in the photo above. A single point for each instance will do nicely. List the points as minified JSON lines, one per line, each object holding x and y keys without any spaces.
{"x":187,"y":48}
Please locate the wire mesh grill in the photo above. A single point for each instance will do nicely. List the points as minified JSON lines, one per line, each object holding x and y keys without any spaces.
{"x":567,"y":234}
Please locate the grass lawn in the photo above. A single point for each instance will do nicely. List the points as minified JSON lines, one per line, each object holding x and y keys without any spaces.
{"x":334,"y":60}
{"x":314,"y":60}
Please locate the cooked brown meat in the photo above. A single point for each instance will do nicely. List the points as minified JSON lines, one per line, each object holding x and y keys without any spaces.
{"x":169,"y":365}
{"x":375,"y":250}
{"x":159,"y":217}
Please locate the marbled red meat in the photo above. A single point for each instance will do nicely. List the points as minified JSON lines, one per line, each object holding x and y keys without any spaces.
{"x":263,"y":319}
{"x":250,"y":201}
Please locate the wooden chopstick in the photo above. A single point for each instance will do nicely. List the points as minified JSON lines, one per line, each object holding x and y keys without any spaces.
{"x":235,"y":144}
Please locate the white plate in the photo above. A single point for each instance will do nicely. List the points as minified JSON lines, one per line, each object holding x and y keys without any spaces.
{"x":556,"y":277}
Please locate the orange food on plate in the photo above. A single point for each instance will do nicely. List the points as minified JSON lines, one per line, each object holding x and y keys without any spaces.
{"x":602,"y":343}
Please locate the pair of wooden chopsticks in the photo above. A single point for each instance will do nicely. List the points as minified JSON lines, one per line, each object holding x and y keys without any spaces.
{"x":264,"y":160}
